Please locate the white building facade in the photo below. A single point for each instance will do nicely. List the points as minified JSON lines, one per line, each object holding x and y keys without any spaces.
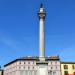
{"x":32,"y":66}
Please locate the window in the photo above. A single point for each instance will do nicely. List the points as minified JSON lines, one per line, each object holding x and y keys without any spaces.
{"x":35,"y":72}
{"x":24,"y":62}
{"x":54,"y":73}
{"x":19,"y":67}
{"x":74,"y":73}
{"x":33,"y":67}
{"x":29,"y":72}
{"x":13,"y":73}
{"x":73,"y":67}
{"x":65,"y":72}
{"x":56,"y":67}
{"x":23,"y":72}
{"x":24,"y":67}
{"x":28,"y":62}
{"x":51,"y":62}
{"x":65,"y":66}
{"x":50,"y":73}
{"x":20,"y":62}
{"x":56,"y":62}
{"x":28,"y":67}
{"x":51,"y":67}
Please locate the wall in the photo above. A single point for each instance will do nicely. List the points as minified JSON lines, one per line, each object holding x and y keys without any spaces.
{"x":70,"y":68}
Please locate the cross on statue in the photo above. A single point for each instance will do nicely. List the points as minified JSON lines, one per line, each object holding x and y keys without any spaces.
{"x":43,"y":2}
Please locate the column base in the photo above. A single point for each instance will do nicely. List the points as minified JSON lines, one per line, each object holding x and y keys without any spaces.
{"x":42,"y":59}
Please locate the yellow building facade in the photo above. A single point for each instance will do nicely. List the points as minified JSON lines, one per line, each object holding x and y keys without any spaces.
{"x":67,"y":68}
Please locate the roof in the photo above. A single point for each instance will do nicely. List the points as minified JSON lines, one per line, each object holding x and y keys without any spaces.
{"x":53,"y":58}
{"x":67,"y":62}
{"x":22,"y":59}
{"x":28,"y":58}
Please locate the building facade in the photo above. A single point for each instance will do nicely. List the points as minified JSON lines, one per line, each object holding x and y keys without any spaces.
{"x":67,"y":68}
{"x":32,"y":66}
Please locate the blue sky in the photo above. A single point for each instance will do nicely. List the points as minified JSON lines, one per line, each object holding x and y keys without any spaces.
{"x":19,"y":29}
